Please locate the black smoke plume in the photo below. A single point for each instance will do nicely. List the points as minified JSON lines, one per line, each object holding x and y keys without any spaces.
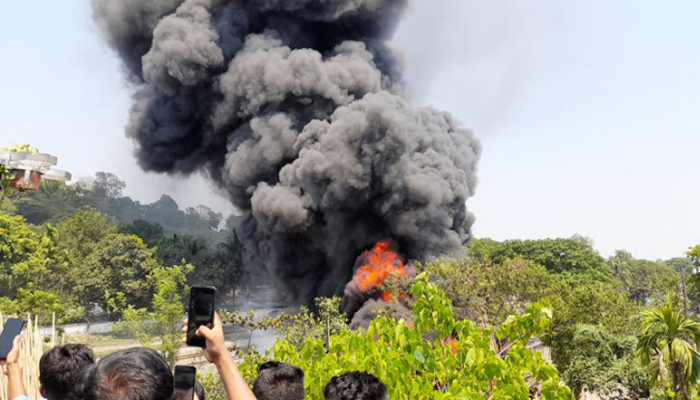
{"x":293,"y":106}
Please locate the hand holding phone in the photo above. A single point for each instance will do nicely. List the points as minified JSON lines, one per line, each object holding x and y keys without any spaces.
{"x":12,"y":329}
{"x":201,"y":312}
{"x":184,"y":379}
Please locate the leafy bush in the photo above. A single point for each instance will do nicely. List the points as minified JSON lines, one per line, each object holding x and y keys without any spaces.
{"x":433,"y":356}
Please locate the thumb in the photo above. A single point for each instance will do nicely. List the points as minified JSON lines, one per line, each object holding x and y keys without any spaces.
{"x":204,"y":331}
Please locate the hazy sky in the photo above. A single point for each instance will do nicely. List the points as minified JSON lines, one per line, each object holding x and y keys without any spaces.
{"x":587,"y":111}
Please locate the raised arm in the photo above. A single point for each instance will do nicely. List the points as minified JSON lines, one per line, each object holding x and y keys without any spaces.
{"x":217,"y":354}
{"x":14,"y":376}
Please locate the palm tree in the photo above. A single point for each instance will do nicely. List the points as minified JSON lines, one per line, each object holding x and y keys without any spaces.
{"x":667,"y":345}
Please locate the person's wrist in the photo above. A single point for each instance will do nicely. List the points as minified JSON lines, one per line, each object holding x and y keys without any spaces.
{"x":12,"y":368}
{"x":223,"y":360}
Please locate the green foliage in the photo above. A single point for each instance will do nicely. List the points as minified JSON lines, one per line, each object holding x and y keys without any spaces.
{"x":486,"y":292}
{"x":327,"y":322}
{"x":572,"y":256}
{"x":694,"y":255}
{"x":80,"y":235}
{"x":119,"y":264}
{"x":596,"y":304}
{"x":33,"y":272}
{"x":250,"y":322}
{"x":603,"y":363}
{"x":56,"y":200}
{"x":680,"y":264}
{"x":5,"y":177}
{"x":163,"y":323}
{"x":667,"y":344}
{"x":24,"y":148}
{"x":213,"y":386}
{"x":151,"y":233}
{"x":417,"y":361}
{"x":644,"y":279}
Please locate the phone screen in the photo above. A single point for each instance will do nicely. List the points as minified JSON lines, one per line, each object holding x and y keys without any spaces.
{"x":184,"y":382}
{"x":12,"y":328}
{"x":201,"y":312}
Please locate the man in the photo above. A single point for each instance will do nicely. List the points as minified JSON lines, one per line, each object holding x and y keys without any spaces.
{"x":355,"y":386}
{"x":61,"y":371}
{"x":279,"y":381}
{"x":132,"y":374}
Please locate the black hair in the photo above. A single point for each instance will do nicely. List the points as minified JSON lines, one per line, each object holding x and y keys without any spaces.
{"x":132,"y":374}
{"x":61,"y":370}
{"x":355,"y":386}
{"x":279,"y":381}
{"x":199,"y":391}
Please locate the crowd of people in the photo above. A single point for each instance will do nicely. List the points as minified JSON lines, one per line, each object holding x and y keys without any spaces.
{"x":71,"y":372}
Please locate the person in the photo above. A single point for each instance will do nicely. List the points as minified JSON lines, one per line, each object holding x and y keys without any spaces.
{"x":355,"y":386}
{"x":10,"y":367}
{"x":132,"y":374}
{"x":279,"y":381}
{"x":199,"y":393}
{"x":216,"y":353}
{"x":61,"y":370}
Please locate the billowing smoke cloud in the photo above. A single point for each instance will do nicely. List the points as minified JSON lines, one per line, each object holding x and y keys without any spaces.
{"x":293,"y":106}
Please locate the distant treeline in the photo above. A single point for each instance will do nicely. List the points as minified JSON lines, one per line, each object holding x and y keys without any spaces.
{"x":104,"y":193}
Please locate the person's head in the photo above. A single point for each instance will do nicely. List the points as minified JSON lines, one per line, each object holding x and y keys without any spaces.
{"x":132,"y":374}
{"x":355,"y":386}
{"x":279,"y":381}
{"x":199,"y":391}
{"x":61,"y":370}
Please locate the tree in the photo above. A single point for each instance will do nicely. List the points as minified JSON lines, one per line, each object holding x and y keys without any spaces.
{"x":592,"y":303}
{"x":556,"y":255}
{"x":680,"y":264}
{"x":82,"y":233}
{"x":108,"y":185}
{"x":150,"y":232}
{"x":327,"y":322}
{"x":33,"y":273}
{"x":119,"y":264}
{"x":643,"y":279}
{"x":667,"y":344}
{"x":164,"y":323}
{"x":605,"y":363}
{"x":437,"y":357}
{"x":487,"y":292}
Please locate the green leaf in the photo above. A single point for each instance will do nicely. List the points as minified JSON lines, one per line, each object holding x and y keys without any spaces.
{"x":419,"y":356}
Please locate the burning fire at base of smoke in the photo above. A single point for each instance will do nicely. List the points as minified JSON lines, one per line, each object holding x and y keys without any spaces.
{"x":366,"y":289}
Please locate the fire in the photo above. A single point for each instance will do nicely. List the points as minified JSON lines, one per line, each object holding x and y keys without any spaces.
{"x":376,"y":266}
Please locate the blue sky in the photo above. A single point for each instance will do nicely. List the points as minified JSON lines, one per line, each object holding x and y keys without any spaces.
{"x":587,"y":111}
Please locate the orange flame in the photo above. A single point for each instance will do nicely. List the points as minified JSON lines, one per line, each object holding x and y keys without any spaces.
{"x":377,"y":265}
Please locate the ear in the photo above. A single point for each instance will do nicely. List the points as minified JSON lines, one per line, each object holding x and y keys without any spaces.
{"x":42,"y":391}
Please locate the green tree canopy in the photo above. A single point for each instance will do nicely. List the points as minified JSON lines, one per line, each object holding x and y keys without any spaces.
{"x":605,"y":363}
{"x":557,"y":255}
{"x":595,"y":304}
{"x":487,"y":292}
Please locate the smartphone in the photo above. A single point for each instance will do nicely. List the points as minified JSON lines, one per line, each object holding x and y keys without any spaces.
{"x":201,"y":312}
{"x":185,"y":376}
{"x":12,"y":328}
